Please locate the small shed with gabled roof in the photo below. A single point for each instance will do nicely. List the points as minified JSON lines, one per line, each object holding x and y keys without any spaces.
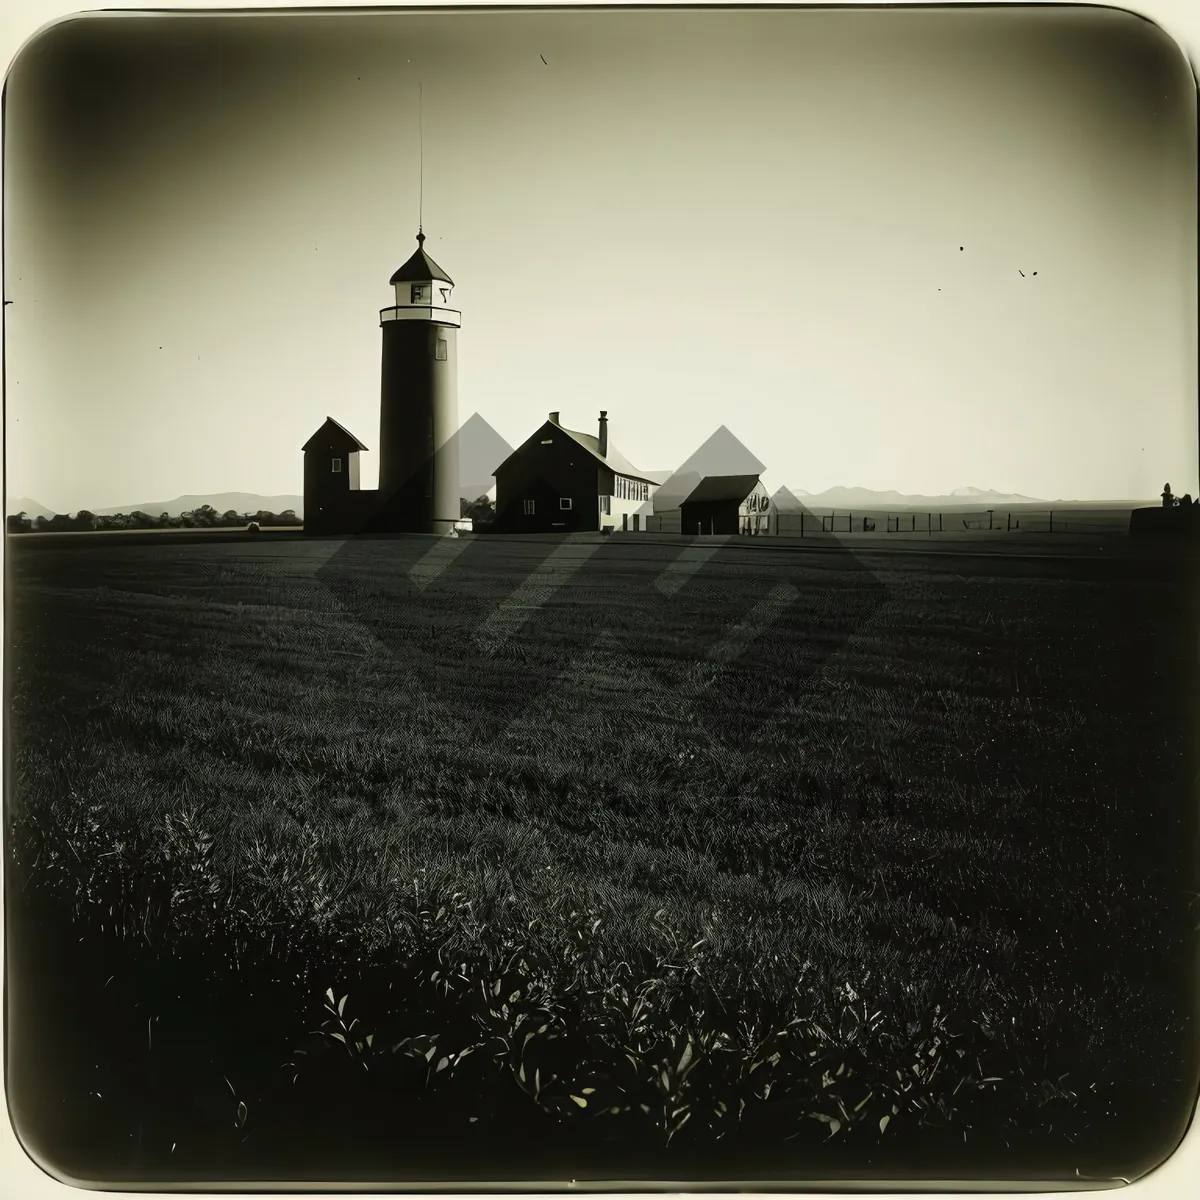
{"x":330,"y":473}
{"x":726,"y":504}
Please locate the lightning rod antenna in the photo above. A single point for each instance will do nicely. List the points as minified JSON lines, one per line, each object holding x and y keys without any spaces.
{"x":421,"y":142}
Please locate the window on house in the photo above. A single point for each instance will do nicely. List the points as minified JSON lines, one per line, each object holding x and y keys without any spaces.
{"x":419,"y":294}
{"x":529,"y":507}
{"x":564,"y":502}
{"x":443,"y":350}
{"x":606,"y":504}
{"x":336,"y":465}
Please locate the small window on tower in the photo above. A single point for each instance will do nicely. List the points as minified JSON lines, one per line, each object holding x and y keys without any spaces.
{"x":443,"y":348}
{"x":564,"y":502}
{"x":336,"y":466}
{"x":529,"y":507}
{"x":445,"y":295}
{"x":420,"y":293}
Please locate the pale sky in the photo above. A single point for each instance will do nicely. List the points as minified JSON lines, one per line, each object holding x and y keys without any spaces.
{"x":690,"y":219}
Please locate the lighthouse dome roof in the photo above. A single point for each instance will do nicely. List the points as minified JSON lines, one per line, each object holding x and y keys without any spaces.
{"x":420,"y":268}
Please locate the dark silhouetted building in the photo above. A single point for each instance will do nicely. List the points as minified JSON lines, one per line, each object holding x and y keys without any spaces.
{"x":726,"y":504}
{"x":418,"y":412}
{"x":563,"y":481}
{"x":332,"y":497}
{"x":721,"y":454}
{"x":418,"y":421}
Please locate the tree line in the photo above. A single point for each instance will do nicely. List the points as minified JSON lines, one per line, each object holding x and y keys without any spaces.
{"x":481,"y":510}
{"x":204,"y":517}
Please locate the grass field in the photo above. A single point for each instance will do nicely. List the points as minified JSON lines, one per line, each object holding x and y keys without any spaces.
{"x":781,"y":855}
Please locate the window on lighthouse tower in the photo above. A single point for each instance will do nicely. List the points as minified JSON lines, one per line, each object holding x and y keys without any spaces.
{"x":421,"y":293}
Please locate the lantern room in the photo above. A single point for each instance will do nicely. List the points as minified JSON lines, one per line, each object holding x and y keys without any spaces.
{"x":423,"y":291}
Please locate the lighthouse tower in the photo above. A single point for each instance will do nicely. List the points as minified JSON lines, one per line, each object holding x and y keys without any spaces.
{"x":418,"y":416}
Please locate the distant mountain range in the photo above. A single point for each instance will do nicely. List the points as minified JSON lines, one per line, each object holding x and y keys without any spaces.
{"x":242,"y":502}
{"x":857,"y":497}
{"x":481,"y":445}
{"x":723,"y":454}
{"x":31,"y":508}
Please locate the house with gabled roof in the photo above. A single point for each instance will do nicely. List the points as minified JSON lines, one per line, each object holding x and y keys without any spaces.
{"x":561,"y":480}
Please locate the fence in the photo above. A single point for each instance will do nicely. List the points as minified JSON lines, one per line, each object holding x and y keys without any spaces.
{"x":1046,"y":521}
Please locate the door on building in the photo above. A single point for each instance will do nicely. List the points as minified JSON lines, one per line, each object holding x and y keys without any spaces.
{"x":624,"y":522}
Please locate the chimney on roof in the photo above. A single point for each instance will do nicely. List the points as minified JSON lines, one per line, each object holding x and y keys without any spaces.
{"x":603,"y":433}
{"x":554,"y":417}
